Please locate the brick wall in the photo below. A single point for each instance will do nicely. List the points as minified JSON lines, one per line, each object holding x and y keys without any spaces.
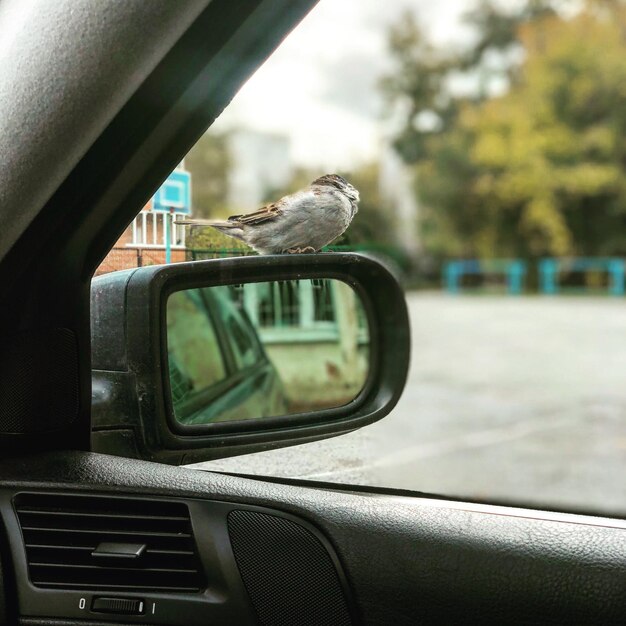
{"x":122,"y":257}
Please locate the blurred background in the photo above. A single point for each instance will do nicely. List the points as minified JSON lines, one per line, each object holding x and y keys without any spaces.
{"x":488,"y":142}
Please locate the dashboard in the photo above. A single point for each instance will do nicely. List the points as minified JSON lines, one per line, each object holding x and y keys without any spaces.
{"x":122,"y":557}
{"x":93,"y":539}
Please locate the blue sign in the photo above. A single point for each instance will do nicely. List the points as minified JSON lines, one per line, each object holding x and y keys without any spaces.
{"x":174,"y":193}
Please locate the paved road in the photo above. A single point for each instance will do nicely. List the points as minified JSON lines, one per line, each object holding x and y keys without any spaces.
{"x":514,"y":399}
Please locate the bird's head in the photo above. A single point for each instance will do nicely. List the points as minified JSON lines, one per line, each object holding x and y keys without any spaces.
{"x":340,"y":183}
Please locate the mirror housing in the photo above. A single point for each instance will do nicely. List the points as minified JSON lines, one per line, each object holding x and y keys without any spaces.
{"x":132,"y":414}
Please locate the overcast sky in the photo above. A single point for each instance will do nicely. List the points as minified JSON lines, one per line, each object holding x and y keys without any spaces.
{"x":319,"y":87}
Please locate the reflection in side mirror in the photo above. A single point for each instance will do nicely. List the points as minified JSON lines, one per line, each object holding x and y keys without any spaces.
{"x":268,"y":349}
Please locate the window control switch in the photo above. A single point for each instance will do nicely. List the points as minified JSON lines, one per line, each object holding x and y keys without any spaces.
{"x":121,"y":606}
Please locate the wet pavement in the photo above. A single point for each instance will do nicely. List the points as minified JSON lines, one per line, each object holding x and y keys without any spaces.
{"x":509,"y":399}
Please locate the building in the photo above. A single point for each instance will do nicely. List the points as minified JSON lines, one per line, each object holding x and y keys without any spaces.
{"x":153,"y":237}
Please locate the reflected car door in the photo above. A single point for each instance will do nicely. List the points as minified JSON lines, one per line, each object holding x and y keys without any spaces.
{"x":218,"y":367}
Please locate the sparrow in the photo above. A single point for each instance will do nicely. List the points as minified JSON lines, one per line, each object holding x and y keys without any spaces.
{"x":304,"y":221}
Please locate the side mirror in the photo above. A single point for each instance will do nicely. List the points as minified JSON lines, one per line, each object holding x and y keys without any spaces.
{"x":204,"y":360}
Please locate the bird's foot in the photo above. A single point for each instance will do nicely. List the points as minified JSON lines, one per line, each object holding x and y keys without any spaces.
{"x":308,"y":249}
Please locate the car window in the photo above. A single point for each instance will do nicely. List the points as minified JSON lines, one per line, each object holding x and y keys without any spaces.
{"x":245,"y":346}
{"x":486,"y":142}
{"x":195,"y":356}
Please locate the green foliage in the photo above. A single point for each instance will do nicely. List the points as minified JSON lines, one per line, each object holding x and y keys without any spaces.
{"x":372,"y":223}
{"x":207,"y":238}
{"x":540,"y":170}
{"x":208,"y":162}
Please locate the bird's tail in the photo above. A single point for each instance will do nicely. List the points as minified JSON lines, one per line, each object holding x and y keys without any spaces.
{"x":203,"y":222}
{"x":227,"y":227}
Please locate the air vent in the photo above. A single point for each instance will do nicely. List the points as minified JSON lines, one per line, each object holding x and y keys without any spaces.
{"x":75,"y":542}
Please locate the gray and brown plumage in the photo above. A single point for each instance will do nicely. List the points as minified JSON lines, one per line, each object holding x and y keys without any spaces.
{"x":304,"y":221}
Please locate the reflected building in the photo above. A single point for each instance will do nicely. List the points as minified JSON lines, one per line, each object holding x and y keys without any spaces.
{"x":316,"y":334}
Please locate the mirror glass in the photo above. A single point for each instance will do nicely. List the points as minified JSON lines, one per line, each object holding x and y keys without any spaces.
{"x":261,"y":350}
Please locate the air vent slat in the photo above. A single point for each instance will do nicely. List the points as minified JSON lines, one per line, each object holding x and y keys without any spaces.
{"x":101,"y":515}
{"x":134,"y":588}
{"x":170,"y":570}
{"x":39,"y":546}
{"x":130,"y":533}
{"x":61,"y":532}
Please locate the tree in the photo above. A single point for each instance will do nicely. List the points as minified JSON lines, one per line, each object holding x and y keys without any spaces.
{"x":498,"y":29}
{"x":420,"y":89}
{"x":208,"y":161}
{"x":372,"y":223}
{"x":417,"y":89}
{"x":541,"y":169}
{"x":550,"y":154}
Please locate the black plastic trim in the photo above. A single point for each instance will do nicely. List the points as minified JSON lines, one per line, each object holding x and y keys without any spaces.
{"x":225,"y":599}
